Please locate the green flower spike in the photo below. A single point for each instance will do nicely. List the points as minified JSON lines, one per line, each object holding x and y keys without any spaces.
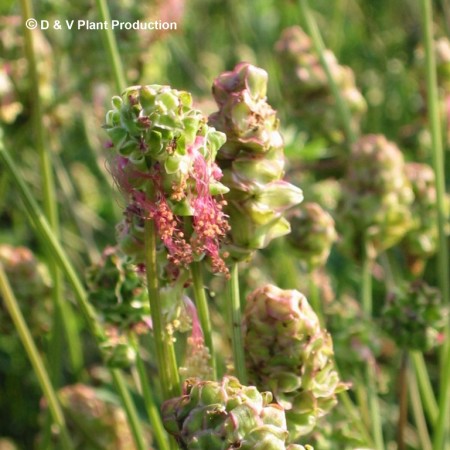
{"x":162,"y":159}
{"x":375,"y":207}
{"x":252,"y":161}
{"x":226,"y":415}
{"x":290,"y":355}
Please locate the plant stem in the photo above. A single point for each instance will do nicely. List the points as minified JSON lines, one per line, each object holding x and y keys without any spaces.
{"x":313,"y":31}
{"x":366,"y":284}
{"x":442,"y":425}
{"x":366,"y":299}
{"x":234,"y":312}
{"x":112,"y":51}
{"x":403,"y":401}
{"x":203,"y":312}
{"x":428,"y":398}
{"x":35,"y":359}
{"x":129,"y":407}
{"x":417,"y":409}
{"x":353,"y":413}
{"x":150,"y":405}
{"x":46,"y":234}
{"x":165,"y":352}
{"x":62,"y":321}
{"x":393,"y":278}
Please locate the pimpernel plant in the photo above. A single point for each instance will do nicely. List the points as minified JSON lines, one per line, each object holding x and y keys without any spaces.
{"x":236,"y":237}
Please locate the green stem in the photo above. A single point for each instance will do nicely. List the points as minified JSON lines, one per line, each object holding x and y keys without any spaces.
{"x":374,"y":407}
{"x":234,"y":305}
{"x":313,"y":31}
{"x":443,"y":421}
{"x":203,"y":312}
{"x":403,"y":401}
{"x":150,"y":405}
{"x":46,"y":234}
{"x":356,"y":416}
{"x":362,"y":400}
{"x":393,"y":278}
{"x":417,"y":409}
{"x":165,"y":352}
{"x":130,"y":409}
{"x":366,"y":285}
{"x":50,"y":205}
{"x":62,"y":322}
{"x":35,"y":359}
{"x":428,"y":398}
{"x":84,"y":225}
{"x":112,"y":50}
{"x":338,"y":25}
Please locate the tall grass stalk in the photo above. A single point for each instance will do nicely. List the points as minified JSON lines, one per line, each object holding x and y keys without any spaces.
{"x":165,"y":352}
{"x":203,"y":312}
{"x":394,"y":278}
{"x":46,"y":234}
{"x":417,"y":411}
{"x":234,"y":314}
{"x":63,"y":321}
{"x":158,"y":431}
{"x":443,"y":420}
{"x":36,"y":361}
{"x":313,"y":31}
{"x":130,"y":409}
{"x":424,"y":385}
{"x":373,"y":401}
{"x":403,"y":401}
{"x":112,"y":50}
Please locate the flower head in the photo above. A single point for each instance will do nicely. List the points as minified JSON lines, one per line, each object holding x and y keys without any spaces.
{"x":163,"y":155}
{"x":252,"y":161}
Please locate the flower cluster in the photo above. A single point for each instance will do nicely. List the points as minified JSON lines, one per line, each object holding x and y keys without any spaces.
{"x":414,"y":316}
{"x":116,"y":290}
{"x":420,"y":242}
{"x":94,"y":421}
{"x":312,"y":235}
{"x":164,"y":164}
{"x":223,"y":415}
{"x":289,"y":354}
{"x":30,"y":284}
{"x":307,"y":88}
{"x":375,"y":207}
{"x":252,"y":160}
